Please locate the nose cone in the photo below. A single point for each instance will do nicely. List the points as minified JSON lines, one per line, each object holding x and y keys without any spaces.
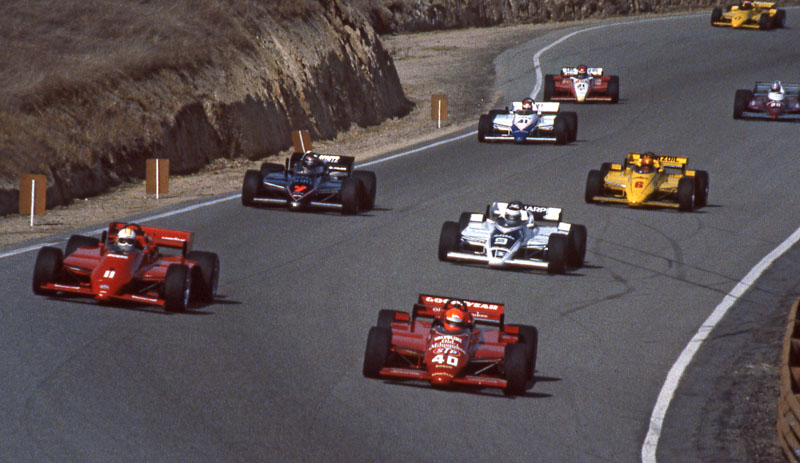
{"x":639,"y":190}
{"x":441,"y":378}
{"x":738,"y":19}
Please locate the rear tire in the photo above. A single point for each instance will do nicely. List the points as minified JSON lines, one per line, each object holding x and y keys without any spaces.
{"x":49,"y":262}
{"x":572,"y":123}
{"x":529,"y":336}
{"x":716,"y":14}
{"x":463,"y":220}
{"x":740,"y":102}
{"x":561,"y":130}
{"x":613,"y":89}
{"x":376,"y":354}
{"x":270,"y":167}
{"x":250,"y":186}
{"x":370,"y":183}
{"x":700,"y":188}
{"x":686,"y":194}
{"x":485,"y":126}
{"x":764,"y":22}
{"x":77,"y":241}
{"x":549,"y":87}
{"x":516,"y":368}
{"x":576,"y":252}
{"x":177,"y":286}
{"x":448,"y":239}
{"x":206,"y":277}
{"x":350,"y":195}
{"x":594,"y":185}
{"x":779,"y":20}
{"x":385,"y":318}
{"x":557,"y":245}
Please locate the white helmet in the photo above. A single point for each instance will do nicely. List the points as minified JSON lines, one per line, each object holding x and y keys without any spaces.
{"x":126,"y":239}
{"x":513,"y":213}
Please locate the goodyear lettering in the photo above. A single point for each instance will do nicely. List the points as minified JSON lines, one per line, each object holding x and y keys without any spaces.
{"x":469,"y":304}
{"x":173,"y":238}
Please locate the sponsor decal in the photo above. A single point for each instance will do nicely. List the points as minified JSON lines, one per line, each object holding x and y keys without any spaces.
{"x":329,"y":157}
{"x":638,"y":184}
{"x":117,"y":256}
{"x":173,"y":238}
{"x":672,"y":159}
{"x":299,"y":188}
{"x":470,"y":304}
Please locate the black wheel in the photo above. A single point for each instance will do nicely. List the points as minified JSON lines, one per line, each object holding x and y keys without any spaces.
{"x":716,"y":14}
{"x":561,"y":130}
{"x":379,"y":343}
{"x":448,"y":239}
{"x":779,"y":20}
{"x":515,"y":365}
{"x":370,"y":184}
{"x":686,"y":194}
{"x":270,"y":167}
{"x":529,"y":336}
{"x":177,"y":287}
{"x":463,"y":220}
{"x":595,"y":182}
{"x":549,"y":87}
{"x":494,"y":112}
{"x":206,"y":276}
{"x":613,"y":89}
{"x":48,"y":264}
{"x":605,"y":168}
{"x":386,"y":317}
{"x":700,"y":188}
{"x":572,"y":123}
{"x":557,"y":245}
{"x":740,"y":102}
{"x":485,"y":123}
{"x":764,"y":22}
{"x":351,"y":200}
{"x":576,"y":251}
{"x":250,"y":186}
{"x":77,"y":241}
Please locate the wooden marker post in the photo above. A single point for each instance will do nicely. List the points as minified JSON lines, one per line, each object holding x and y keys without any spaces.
{"x":438,"y":109}
{"x":33,"y":195}
{"x":301,"y":140}
{"x":156,"y":177}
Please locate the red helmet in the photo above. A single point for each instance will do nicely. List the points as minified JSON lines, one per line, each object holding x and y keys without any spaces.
{"x":456,"y":316}
{"x":583,"y":70}
{"x":527,"y":104}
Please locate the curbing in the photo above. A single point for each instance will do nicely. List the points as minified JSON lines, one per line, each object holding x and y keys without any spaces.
{"x":788,"y":425}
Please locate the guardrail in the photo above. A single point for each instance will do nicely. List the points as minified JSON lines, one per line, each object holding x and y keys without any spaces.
{"x":789,"y":400}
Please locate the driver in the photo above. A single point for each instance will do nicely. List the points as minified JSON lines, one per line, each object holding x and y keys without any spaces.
{"x":746,"y":5}
{"x":527,"y":106}
{"x":647,"y":163}
{"x":310,"y":164}
{"x":512,"y":216}
{"x":583,"y":71}
{"x":126,"y":240}
{"x":456,"y":317}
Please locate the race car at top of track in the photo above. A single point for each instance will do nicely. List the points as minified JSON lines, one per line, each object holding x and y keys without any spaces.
{"x":581,"y":84}
{"x":529,"y":121}
{"x":432,"y":344}
{"x":749,"y":15}
{"x":311,"y":180}
{"x":775,"y":101}
{"x":514,"y":235}
{"x":647,"y":180}
{"x":127,"y":264}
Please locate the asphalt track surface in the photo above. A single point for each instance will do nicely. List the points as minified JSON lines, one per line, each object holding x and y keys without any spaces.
{"x":272,"y":370}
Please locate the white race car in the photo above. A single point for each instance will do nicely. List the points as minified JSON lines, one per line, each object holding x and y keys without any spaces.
{"x":529,"y":121}
{"x":581,"y":84}
{"x":515,"y":235}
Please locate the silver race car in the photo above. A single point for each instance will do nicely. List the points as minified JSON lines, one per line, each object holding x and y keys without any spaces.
{"x":514,"y":235}
{"x":528,"y":121}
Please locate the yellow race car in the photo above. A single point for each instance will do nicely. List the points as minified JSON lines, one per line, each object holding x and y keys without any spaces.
{"x":647,"y":180}
{"x":749,"y":15}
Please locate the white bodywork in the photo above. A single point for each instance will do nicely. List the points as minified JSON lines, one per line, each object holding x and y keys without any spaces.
{"x":543,"y":117}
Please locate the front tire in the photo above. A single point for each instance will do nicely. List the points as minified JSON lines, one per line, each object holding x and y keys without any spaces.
{"x":700,"y":188}
{"x":206,"y":275}
{"x":448,"y":239}
{"x":250,"y":187}
{"x":370,"y":183}
{"x":351,"y":200}
{"x":613,"y":89}
{"x":764,"y":22}
{"x":572,"y":123}
{"x":557,"y":245}
{"x":516,"y":368}
{"x":716,"y":14}
{"x":485,"y":123}
{"x":594,"y":185}
{"x":376,"y":354}
{"x":77,"y":241}
{"x":561,"y":130}
{"x":740,"y":102}
{"x":49,"y":262}
{"x":529,"y":336}
{"x":779,"y":20}
{"x":549,"y":87}
{"x":270,"y":167}
{"x":686,"y":194}
{"x":386,"y":317}
{"x":177,"y":286}
{"x":576,"y":252}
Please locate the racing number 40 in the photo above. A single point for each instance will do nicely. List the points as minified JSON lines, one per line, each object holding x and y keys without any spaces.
{"x":451,"y":360}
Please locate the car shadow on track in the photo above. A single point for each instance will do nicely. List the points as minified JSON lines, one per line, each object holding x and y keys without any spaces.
{"x":481,"y":391}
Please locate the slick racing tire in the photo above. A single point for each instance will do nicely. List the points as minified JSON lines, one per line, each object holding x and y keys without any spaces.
{"x":206,"y":275}
{"x":370,"y":184}
{"x":572,"y":124}
{"x":386,"y":317}
{"x":740,"y":102}
{"x":700,"y":188}
{"x":549,"y":87}
{"x":605,"y":168}
{"x":376,"y":354}
{"x":764,"y":22}
{"x":269,"y":168}
{"x":576,"y":250}
{"x":515,"y":365}
{"x":716,"y":14}
{"x":49,"y":262}
{"x":529,"y":336}
{"x":594,"y":185}
{"x":779,"y":20}
{"x":448,"y":239}
{"x":613,"y":89}
{"x":351,"y":195}
{"x":77,"y":241}
{"x":250,"y":186}
{"x":177,"y":288}
{"x":557,"y":246}
{"x":561,"y":129}
{"x":686,"y":194}
{"x":485,"y":123}
{"x":463,"y":220}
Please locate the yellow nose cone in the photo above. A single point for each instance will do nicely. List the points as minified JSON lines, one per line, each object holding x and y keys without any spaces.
{"x":738,"y":20}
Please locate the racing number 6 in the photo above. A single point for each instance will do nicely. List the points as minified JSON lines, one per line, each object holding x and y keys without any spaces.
{"x":451,"y":360}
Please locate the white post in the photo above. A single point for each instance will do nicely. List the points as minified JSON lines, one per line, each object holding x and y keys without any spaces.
{"x":439,"y":117}
{"x":33,"y":198}
{"x":157,"y":179}
{"x":302,"y":144}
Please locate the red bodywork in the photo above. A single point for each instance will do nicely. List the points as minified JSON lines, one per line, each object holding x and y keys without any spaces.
{"x":104,"y":274}
{"x":774,"y":108}
{"x":564,"y":87}
{"x":423,"y":350}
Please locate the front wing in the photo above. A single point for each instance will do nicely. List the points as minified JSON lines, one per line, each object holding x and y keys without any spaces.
{"x":471,"y":380}
{"x":765,"y":115}
{"x":480,"y":258}
{"x":614,"y":199}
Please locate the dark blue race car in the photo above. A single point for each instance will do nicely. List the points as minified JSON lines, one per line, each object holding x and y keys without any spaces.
{"x":311,"y":180}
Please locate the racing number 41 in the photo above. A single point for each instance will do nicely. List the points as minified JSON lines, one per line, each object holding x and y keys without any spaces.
{"x":451,"y":359}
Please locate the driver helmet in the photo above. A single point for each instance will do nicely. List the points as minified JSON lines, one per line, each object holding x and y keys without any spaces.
{"x":747,"y":5}
{"x":647,"y":161}
{"x":126,"y":239}
{"x":583,"y":71}
{"x":513,"y":213}
{"x":527,"y":105}
{"x":776,"y":86}
{"x":456,"y":316}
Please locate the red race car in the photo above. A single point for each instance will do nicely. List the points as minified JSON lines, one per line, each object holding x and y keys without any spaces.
{"x":439,"y":342}
{"x":127,"y":264}
{"x":581,"y":84}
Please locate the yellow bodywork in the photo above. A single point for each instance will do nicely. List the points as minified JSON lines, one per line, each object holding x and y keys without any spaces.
{"x":626,"y":184}
{"x":738,"y":17}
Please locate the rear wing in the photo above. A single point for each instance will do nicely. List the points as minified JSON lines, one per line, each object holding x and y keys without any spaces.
{"x":540,"y":213}
{"x":335,"y":163}
{"x":544,"y":107}
{"x":676,"y":162}
{"x":161,"y":237}
{"x":483,"y":312}
{"x":570,"y":72}
{"x":763,"y":88}
{"x":767,"y":5}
